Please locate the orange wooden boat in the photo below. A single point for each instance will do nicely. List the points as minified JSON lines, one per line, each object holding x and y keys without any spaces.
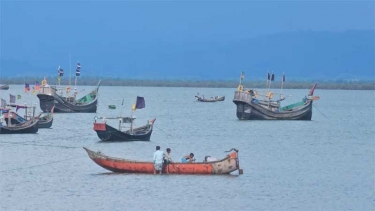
{"x":224,"y":166}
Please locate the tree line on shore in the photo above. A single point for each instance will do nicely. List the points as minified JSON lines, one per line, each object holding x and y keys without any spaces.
{"x":293,"y":84}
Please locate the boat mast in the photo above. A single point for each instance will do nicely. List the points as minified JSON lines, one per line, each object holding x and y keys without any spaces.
{"x":34,"y":110}
{"x":282,"y":84}
{"x":58,"y":76}
{"x":131,"y":119}
{"x":25,"y":111}
{"x":9,"y":113}
{"x":241,"y":77}
{"x":75,"y":84}
{"x":70,"y":69}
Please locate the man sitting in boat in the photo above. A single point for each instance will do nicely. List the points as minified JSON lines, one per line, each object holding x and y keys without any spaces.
{"x":188,"y":158}
{"x":158,"y":160}
{"x":167,"y":159}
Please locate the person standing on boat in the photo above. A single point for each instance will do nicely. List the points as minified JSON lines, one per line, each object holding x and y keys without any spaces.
{"x":168,"y":159}
{"x":188,"y":158}
{"x":158,"y":160}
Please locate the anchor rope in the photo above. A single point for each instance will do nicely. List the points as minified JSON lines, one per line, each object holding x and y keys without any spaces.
{"x":320,"y":111}
{"x":163,"y":131}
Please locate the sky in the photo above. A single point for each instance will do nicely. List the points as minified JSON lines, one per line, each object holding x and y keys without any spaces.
{"x":48,"y":31}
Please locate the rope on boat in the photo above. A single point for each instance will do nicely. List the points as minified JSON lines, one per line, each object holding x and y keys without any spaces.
{"x":320,"y":111}
{"x":44,"y":164}
{"x":162,"y":131}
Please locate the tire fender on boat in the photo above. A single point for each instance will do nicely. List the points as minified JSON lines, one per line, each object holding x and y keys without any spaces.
{"x":240,"y":88}
{"x":44,"y":82}
{"x":270,"y":95}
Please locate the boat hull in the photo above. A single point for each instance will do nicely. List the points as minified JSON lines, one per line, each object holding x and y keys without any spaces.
{"x":249,"y":107}
{"x":108,"y":133}
{"x":46,"y":102}
{"x":199,"y":99}
{"x":45,"y":122}
{"x":30,"y":126}
{"x":224,"y":166}
{"x":252,"y":111}
{"x":4,"y":87}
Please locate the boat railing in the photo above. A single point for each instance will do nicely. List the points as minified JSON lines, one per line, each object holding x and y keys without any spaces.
{"x":242,"y":96}
{"x":46,"y":90}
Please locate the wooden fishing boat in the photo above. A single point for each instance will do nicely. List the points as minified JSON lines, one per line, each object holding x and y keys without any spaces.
{"x":224,"y":166}
{"x":210,"y":100}
{"x":111,"y":106}
{"x":50,"y":96}
{"x":253,"y":105}
{"x":30,"y":126}
{"x":4,"y":87}
{"x":45,"y":120}
{"x":108,"y":133}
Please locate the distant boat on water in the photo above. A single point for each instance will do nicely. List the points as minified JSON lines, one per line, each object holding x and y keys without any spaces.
{"x":4,"y":87}
{"x":108,"y":133}
{"x":111,"y":106}
{"x":209,"y":100}
{"x":261,"y":105}
{"x":50,"y":96}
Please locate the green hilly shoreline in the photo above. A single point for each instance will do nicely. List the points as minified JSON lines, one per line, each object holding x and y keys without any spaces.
{"x":87,"y":81}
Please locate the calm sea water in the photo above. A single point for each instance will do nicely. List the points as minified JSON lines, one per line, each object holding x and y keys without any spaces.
{"x":324,"y":164}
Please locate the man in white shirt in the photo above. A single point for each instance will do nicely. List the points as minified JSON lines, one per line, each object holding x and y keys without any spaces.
{"x":158,"y":160}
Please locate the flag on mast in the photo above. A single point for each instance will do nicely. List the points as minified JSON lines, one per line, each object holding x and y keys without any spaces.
{"x":3,"y":103}
{"x":37,"y":85}
{"x":78,"y":69}
{"x":140,"y":103}
{"x":60,"y":72}
{"x":12,"y":98}
{"x":27,"y":87}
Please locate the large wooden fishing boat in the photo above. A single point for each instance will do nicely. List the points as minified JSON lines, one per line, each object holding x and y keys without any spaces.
{"x":108,"y":133}
{"x":50,"y":96}
{"x":259,"y":105}
{"x":224,"y":166}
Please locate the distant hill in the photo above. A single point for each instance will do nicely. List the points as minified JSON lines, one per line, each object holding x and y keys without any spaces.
{"x":305,"y":55}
